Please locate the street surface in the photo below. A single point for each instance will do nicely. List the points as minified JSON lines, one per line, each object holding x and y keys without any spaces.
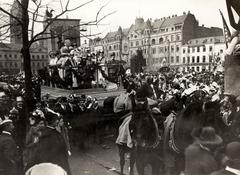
{"x":97,"y":159}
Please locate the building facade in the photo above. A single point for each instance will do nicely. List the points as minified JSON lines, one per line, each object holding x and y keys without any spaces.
{"x":163,"y":41}
{"x":59,"y":30}
{"x":115,"y":45}
{"x":11,"y":61}
{"x":203,"y":54}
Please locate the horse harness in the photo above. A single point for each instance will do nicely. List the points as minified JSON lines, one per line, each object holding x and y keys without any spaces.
{"x":171,"y":142}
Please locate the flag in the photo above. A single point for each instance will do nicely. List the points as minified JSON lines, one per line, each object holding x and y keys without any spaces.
{"x":226,"y":31}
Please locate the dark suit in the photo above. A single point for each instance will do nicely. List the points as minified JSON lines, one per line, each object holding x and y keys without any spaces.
{"x":51,"y":148}
{"x":199,"y":161}
{"x":8,"y":155}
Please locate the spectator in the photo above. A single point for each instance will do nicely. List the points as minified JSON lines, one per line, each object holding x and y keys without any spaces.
{"x":9,"y":159}
{"x":51,"y":147}
{"x":199,"y":158}
{"x":232,"y":152}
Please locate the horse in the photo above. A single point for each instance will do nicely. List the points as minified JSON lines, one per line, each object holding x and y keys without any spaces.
{"x":146,"y":143}
{"x":178,"y":130}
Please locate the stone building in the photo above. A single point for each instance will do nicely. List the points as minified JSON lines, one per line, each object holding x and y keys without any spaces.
{"x":203,"y":54}
{"x":115,"y":45}
{"x":11,"y":60}
{"x":62,"y":29}
{"x":162,"y":39}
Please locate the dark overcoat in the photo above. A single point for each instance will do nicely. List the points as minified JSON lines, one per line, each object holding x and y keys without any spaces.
{"x":199,"y":161}
{"x":8,"y":155}
{"x":51,"y":148}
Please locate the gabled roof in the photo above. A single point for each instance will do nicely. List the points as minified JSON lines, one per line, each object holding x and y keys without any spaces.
{"x":174,"y":20}
{"x":205,"y":40}
{"x":161,"y":23}
{"x":113,"y":34}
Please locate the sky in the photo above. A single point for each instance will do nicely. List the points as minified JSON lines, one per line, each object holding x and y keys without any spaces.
{"x":205,"y":11}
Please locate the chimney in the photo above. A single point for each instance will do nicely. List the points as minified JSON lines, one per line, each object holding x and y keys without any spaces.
{"x":184,"y":13}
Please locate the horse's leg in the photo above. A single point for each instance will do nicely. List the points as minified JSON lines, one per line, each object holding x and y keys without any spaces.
{"x":156,"y":165}
{"x":140,"y":168}
{"x":132,"y":161}
{"x":122,"y":158}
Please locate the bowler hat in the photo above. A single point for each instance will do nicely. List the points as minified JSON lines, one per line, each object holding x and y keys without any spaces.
{"x":208,"y":136}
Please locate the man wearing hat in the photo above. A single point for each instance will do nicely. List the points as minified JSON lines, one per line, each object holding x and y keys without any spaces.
{"x":199,"y":157}
{"x":51,"y":147}
{"x":8,"y":150}
{"x":232,"y":152}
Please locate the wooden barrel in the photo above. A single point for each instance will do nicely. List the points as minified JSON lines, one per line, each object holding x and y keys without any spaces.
{"x":232,"y":75}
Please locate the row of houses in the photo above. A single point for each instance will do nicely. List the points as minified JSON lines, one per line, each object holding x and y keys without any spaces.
{"x":176,"y":41}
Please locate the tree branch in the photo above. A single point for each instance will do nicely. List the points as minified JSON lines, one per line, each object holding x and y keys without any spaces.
{"x":10,"y":15}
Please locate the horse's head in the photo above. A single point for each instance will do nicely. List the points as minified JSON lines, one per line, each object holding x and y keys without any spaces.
{"x":143,"y":126}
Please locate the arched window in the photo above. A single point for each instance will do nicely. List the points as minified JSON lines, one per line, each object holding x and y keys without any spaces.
{"x":160,"y":40}
{"x":153,"y":41}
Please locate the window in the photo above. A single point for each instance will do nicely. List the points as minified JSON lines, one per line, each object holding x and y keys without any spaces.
{"x":10,"y":56}
{"x":135,"y":36}
{"x":198,"y":49}
{"x":172,"y":59}
{"x":198,"y":69}
{"x":193,"y":59}
{"x":198,"y":59}
{"x":42,"y":56}
{"x":184,"y":50}
{"x":193,"y":50}
{"x":177,"y":59}
{"x":38,"y":57}
{"x":210,"y":48}
{"x":137,"y":43}
{"x":110,"y":48}
{"x":221,"y":51}
{"x":204,"y":59}
{"x":188,"y":59}
{"x":16,"y":65}
{"x":178,"y":27}
{"x":188,"y":50}
{"x":15,"y":56}
{"x":131,"y":44}
{"x":153,"y":41}
{"x":184,"y":60}
{"x":172,"y":48}
{"x":177,"y":37}
{"x":177,"y":48}
{"x":160,"y":50}
{"x":33,"y":56}
{"x":204,"y":49}
{"x":160,"y":40}
{"x":153,"y":50}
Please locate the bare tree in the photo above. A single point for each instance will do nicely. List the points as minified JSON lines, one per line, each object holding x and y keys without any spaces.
{"x":30,"y":15}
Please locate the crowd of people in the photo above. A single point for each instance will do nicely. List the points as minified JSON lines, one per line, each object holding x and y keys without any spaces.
{"x":47,"y":137}
{"x":71,"y":67}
